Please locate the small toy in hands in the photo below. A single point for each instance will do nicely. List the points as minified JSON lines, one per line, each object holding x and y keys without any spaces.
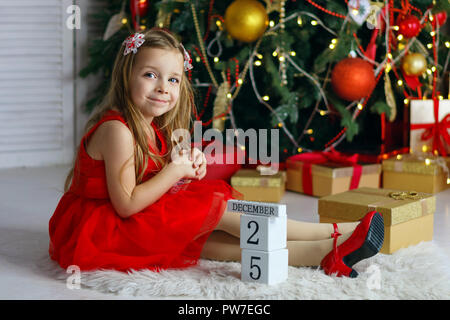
{"x":198,"y":158}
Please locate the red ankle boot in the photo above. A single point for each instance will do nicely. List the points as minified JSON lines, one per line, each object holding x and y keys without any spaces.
{"x":365,"y":241}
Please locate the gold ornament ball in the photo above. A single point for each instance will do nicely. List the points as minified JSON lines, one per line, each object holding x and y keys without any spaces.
{"x":414,"y":64}
{"x":246,"y":20}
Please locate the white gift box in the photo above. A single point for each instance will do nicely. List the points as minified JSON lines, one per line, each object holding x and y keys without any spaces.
{"x":422,"y":113}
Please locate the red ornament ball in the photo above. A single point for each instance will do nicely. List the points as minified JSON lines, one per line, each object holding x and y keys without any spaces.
{"x":353,"y":79}
{"x":440,"y":17}
{"x":409,"y":26}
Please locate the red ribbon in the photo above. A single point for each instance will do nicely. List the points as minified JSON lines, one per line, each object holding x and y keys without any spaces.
{"x":436,"y":131}
{"x":412,"y":81}
{"x":311,"y":158}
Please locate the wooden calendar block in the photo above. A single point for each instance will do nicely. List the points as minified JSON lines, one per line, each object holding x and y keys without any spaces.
{"x":263,"y":233}
{"x":257,"y":208}
{"x":270,"y":267}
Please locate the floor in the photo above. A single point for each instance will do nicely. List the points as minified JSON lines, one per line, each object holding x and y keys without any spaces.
{"x":28,"y":197}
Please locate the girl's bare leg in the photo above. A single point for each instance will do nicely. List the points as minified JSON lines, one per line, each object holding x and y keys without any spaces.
{"x":224,"y":247}
{"x":296,"y":230}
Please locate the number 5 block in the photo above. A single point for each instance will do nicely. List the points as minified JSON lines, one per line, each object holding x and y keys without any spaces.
{"x":263,"y":233}
{"x":270,"y":267}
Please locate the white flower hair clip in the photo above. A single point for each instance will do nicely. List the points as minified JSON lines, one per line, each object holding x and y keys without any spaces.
{"x":187,"y":60}
{"x":132,"y":43}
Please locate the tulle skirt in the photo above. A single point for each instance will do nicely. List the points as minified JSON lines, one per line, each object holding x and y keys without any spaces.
{"x":170,"y":233}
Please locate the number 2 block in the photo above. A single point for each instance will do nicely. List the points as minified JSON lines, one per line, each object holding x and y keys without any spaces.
{"x":270,"y":267}
{"x":263,"y":233}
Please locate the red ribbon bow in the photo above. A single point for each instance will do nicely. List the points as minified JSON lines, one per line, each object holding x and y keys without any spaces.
{"x":436,"y":130}
{"x":311,"y":158}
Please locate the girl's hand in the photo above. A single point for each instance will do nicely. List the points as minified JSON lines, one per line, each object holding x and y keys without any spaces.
{"x":199,"y":161}
{"x":183,"y":163}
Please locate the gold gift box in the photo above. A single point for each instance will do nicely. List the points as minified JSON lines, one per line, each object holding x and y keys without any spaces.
{"x":408,"y":216}
{"x":330,"y":178}
{"x":257,"y":187}
{"x":416,"y":172}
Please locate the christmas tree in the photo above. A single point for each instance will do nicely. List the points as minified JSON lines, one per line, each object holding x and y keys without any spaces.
{"x":326,"y":73}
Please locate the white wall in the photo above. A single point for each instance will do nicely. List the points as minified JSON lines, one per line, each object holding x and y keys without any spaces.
{"x":36,"y":83}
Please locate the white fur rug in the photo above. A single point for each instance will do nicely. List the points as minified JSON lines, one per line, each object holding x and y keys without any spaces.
{"x":418,"y":272}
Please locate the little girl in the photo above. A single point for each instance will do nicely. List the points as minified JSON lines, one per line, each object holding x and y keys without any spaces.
{"x":131,"y":202}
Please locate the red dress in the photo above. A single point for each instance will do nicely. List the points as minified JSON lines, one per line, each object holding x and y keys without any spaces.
{"x":86,"y":231}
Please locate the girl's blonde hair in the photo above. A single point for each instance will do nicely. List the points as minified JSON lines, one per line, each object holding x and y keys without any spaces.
{"x":118,"y":98}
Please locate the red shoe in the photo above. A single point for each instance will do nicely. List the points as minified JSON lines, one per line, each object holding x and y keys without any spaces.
{"x":365,"y":242}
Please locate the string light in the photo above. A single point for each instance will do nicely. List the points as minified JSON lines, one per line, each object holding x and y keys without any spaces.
{"x":240,"y":81}
{"x":292,"y":53}
{"x":257,"y":63}
{"x":430,"y":45}
{"x":433,"y":68}
{"x":124,"y":21}
{"x":299,"y":150}
{"x":400,"y":37}
{"x":399,"y":157}
{"x":309,"y":131}
{"x":388,"y":67}
{"x":299,"y":21}
{"x":271,"y":23}
{"x":406,"y":101}
{"x":266,"y":98}
{"x":274,"y":53}
{"x":396,"y":28}
{"x":447,"y":44}
{"x":399,"y":83}
{"x":323,"y":112}
{"x":429,"y":71}
{"x":216,"y":59}
{"x":360,"y":106}
{"x":314,"y":22}
{"x":424,"y":148}
{"x":427,"y":161}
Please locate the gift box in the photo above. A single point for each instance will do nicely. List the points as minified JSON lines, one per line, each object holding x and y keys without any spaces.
{"x":222,"y":160}
{"x":430,"y":126}
{"x":418,"y":172}
{"x":323,"y":173}
{"x":408,"y":216}
{"x":258,"y":185}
